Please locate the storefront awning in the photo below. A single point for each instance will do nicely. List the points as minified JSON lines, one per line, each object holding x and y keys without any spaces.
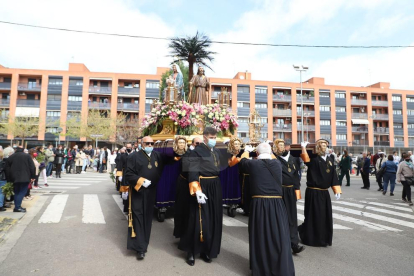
{"x":360,"y":121}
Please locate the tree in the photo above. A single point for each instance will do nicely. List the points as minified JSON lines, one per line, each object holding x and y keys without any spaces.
{"x":193,"y":50}
{"x":127,"y":130}
{"x":184,"y":70}
{"x":20,"y":127}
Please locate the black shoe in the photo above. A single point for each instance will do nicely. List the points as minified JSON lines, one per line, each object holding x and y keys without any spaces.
{"x":21,"y":210}
{"x":379,"y":190}
{"x":404,"y":200}
{"x":363,"y":187}
{"x":384,"y":192}
{"x":2,"y":209}
{"x":206,"y":258}
{"x":391,"y":194}
{"x":7,"y":206}
{"x":190,"y":259}
{"x":141,"y":256}
{"x":348,"y":185}
{"x":410,"y":203}
{"x":296,"y":248}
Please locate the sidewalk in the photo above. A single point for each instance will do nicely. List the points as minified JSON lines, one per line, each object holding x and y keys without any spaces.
{"x":9,"y":218}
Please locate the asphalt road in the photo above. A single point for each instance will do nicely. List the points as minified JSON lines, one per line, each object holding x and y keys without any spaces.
{"x":374,"y":235}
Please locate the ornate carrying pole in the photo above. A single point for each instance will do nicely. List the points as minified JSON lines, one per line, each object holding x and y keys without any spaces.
{"x":255,"y":125}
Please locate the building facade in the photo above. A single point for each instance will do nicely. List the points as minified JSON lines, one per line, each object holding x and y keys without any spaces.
{"x":352,"y":117}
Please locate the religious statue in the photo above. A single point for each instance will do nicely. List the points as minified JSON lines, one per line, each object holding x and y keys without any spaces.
{"x":202,"y":85}
{"x":279,"y":147}
{"x":234,"y":146}
{"x":179,"y":81}
{"x":180,"y":145}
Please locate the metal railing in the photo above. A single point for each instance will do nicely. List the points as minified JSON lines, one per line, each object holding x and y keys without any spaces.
{"x":128,"y":90}
{"x":306,"y":113}
{"x":363,"y":129}
{"x":5,"y":102}
{"x":359,"y":116}
{"x":282,"y":127}
{"x":381,"y":130}
{"x":5,"y":85}
{"x":399,"y":143}
{"x":282,"y":112}
{"x":100,"y":90}
{"x":306,"y":99}
{"x":379,"y":103}
{"x":128,"y":106}
{"x":382,"y":143}
{"x":381,"y":117}
{"x":28,"y":103}
{"x":99,"y":105}
{"x":358,"y":102}
{"x":361,"y":142}
{"x":307,"y":127}
{"x":282,"y":98}
{"x":29,"y":86}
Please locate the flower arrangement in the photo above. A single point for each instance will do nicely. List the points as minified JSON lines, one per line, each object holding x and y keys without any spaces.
{"x":185,"y":116}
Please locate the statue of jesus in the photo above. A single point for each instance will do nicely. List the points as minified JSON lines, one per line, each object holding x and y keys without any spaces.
{"x":202,"y":86}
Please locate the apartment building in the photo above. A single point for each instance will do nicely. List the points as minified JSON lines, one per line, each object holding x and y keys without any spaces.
{"x":352,"y":117}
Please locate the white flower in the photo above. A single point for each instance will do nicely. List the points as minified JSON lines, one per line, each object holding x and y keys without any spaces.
{"x":183,"y":112}
{"x":197,"y":116}
{"x":210,"y":115}
{"x":193,"y":113}
{"x":158,"y":112}
{"x":175,"y":123}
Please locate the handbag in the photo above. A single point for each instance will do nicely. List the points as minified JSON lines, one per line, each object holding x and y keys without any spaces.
{"x":30,"y":185}
{"x":410,"y":180}
{"x":381,"y":172}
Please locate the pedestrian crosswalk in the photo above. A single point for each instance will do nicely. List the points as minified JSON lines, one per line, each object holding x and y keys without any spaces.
{"x":72,"y":181}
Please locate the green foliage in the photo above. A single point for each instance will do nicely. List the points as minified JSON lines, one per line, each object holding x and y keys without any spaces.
{"x":7,"y":189}
{"x":112,"y":176}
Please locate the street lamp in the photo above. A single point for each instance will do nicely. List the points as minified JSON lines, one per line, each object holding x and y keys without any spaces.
{"x":307,"y":125}
{"x":373,"y":133}
{"x":59,"y":130}
{"x":301,"y":69}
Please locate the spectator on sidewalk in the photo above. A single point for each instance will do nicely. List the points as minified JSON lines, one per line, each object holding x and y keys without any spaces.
{"x":411,"y":156}
{"x":396,"y":157}
{"x":390,"y":174}
{"x":79,"y":161}
{"x":378,"y":165}
{"x":103,"y":159}
{"x":3,"y":180}
{"x":112,"y":160}
{"x":345,"y":166}
{"x":41,"y":158}
{"x":91,"y":153}
{"x":360,"y":163}
{"x":405,"y":170}
{"x":375,"y":158}
{"x":59,"y":160}
{"x":50,"y":158}
{"x":365,"y":166}
{"x":20,"y":171}
{"x":33,"y":155}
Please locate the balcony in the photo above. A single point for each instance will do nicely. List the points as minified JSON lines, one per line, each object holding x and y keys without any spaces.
{"x":381,"y":130}
{"x":29,"y":86}
{"x":399,"y":143}
{"x":51,"y":105}
{"x":280,"y":127}
{"x":359,"y":116}
{"x":306,"y":99}
{"x":381,"y":117}
{"x":282,"y":98}
{"x":72,"y":105}
{"x":360,"y":129}
{"x":282,"y":112}
{"x":306,"y":113}
{"x":128,"y":107}
{"x":98,"y":105}
{"x":360,"y":143}
{"x":411,"y":143}
{"x":411,"y":132}
{"x":128,"y":90}
{"x":358,"y":102}
{"x":382,"y":143}
{"x":28,"y":103}
{"x":100,"y":90}
{"x":306,"y":128}
{"x":52,"y":121}
{"x":379,"y":103}
{"x":5,"y":85}
{"x":4,"y":102}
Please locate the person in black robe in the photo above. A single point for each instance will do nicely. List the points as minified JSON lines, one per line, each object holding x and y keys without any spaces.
{"x":269,"y":237}
{"x":317,"y":228}
{"x":205,"y":223}
{"x":182,"y":196}
{"x":291,"y":190}
{"x":119,"y":170}
{"x":124,"y":188}
{"x":144,"y":169}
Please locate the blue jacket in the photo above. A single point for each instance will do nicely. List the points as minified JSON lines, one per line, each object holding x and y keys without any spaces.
{"x":391,"y":167}
{"x":367,"y":163}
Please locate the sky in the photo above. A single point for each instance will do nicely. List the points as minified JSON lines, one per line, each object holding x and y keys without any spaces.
{"x":317,"y":22}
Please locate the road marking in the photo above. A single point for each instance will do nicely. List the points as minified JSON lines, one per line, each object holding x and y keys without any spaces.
{"x":54,"y":211}
{"x":60,"y":187}
{"x":398,"y":214}
{"x":374,"y":216}
{"x":388,"y":206}
{"x":120,"y":203}
{"x":401,"y":204}
{"x":231,"y":222}
{"x":68,"y":184}
{"x":92,"y":212}
{"x":335,"y":226}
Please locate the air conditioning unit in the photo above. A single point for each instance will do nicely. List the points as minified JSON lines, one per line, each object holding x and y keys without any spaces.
{"x":362,"y":95}
{"x":22,"y":94}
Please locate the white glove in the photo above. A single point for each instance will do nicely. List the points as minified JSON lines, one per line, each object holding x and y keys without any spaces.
{"x":146,"y":183}
{"x":201,"y":198}
{"x":168,"y":140}
{"x":338,"y":196}
{"x":226,"y":141}
{"x":125,"y":195}
{"x":304,"y":144}
{"x":248,"y":148}
{"x":120,"y":178}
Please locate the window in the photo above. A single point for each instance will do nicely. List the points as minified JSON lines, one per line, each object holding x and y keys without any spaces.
{"x":243,"y":89}
{"x":242,"y":120}
{"x":396,"y":98}
{"x":95,"y":83}
{"x":54,"y":97}
{"x":340,"y":95}
{"x":55,"y":81}
{"x":398,"y":139}
{"x":76,"y":82}
{"x":324,"y":95}
{"x":261,"y":90}
{"x":52,"y":129}
{"x":341,"y":137}
{"x":410,"y":125}
{"x":242,"y":134}
{"x":341,"y":123}
{"x":340,"y":109}
{"x":397,"y":112}
{"x":409,"y":100}
{"x":153,"y":85}
{"x":326,"y":136}
{"x":52,"y":113}
{"x":149,"y":101}
{"x":324,"y":108}
{"x":325,"y":122}
{"x":243,"y":104}
{"x":128,"y":84}
{"x":410,"y":112}
{"x":263,"y":135}
{"x":74,"y":98}
{"x":398,"y":125}
{"x":261,"y":105}
{"x":280,"y":106}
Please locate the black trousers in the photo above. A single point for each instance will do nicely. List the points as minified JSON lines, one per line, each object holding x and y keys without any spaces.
{"x":379,"y":181}
{"x":365,"y":179}
{"x":406,"y":193}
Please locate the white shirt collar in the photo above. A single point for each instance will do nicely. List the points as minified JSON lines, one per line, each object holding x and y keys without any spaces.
{"x":324,"y":157}
{"x":264,"y":156}
{"x":286,"y":158}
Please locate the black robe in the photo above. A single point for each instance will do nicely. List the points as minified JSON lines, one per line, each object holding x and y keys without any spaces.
{"x":182,"y":197}
{"x":143,"y":200}
{"x":118,"y":165}
{"x":269,"y":239}
{"x":203,"y":163}
{"x":317,"y":229}
{"x":124,"y":161}
{"x":290,"y":184}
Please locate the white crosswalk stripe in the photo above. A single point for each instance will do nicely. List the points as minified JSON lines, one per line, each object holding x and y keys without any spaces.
{"x":380,"y":210}
{"x":54,"y":211}
{"x":92,"y":212}
{"x":407,"y":209}
{"x":335,"y":226}
{"x":72,"y":181}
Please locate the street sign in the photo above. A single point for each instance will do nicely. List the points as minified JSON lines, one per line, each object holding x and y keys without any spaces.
{"x":96,"y":135}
